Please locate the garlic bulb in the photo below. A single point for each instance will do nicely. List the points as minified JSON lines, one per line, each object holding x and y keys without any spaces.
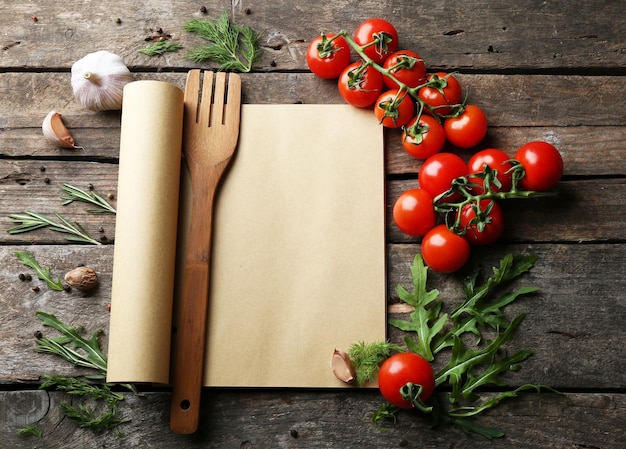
{"x":56,"y":132}
{"x":98,"y":80}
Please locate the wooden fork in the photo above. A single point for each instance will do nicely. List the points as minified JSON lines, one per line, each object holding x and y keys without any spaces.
{"x":210,"y":134}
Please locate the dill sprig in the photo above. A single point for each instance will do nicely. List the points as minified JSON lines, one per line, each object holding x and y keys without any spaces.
{"x":160,"y":47}
{"x":234,"y":47}
{"x":31,"y":430}
{"x":367,"y":358}
{"x":72,"y":194}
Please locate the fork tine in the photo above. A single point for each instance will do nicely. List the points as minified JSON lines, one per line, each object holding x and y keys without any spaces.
{"x":232,"y":115}
{"x":217,"y":117}
{"x":204,"y":113}
{"x":192,"y":88}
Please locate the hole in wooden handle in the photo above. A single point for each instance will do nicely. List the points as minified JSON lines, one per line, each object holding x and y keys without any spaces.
{"x":185,"y":404}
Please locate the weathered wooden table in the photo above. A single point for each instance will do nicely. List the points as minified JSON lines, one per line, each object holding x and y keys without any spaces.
{"x":550,"y":70}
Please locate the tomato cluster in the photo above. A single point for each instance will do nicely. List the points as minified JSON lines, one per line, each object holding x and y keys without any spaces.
{"x":455,"y":204}
{"x":394,"y":83}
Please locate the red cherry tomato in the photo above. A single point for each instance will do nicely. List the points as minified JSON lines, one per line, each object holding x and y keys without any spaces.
{"x":394,"y":109}
{"x":542,"y":163}
{"x":360,"y":85}
{"x":414,"y":213}
{"x":400,"y":369}
{"x":407,"y":67}
{"x":424,"y":137}
{"x":484,"y":227}
{"x":496,"y":160}
{"x":328,"y":55}
{"x":468,"y":129}
{"x":437,"y":172}
{"x":445,"y":90}
{"x":443,"y":250}
{"x":380,"y":37}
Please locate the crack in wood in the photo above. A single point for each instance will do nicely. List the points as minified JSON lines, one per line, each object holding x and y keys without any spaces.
{"x":11,"y":45}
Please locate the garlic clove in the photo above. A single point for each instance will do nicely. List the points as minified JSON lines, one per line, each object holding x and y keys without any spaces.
{"x":98,"y":80}
{"x":56,"y":132}
{"x":342,"y":366}
{"x":81,"y":278}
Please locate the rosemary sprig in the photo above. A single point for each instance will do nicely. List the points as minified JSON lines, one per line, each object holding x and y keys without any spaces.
{"x":234,"y":47}
{"x":80,"y":387}
{"x":42,"y":273}
{"x":86,"y":418}
{"x":160,"y":47}
{"x":72,"y":194}
{"x":29,"y":221}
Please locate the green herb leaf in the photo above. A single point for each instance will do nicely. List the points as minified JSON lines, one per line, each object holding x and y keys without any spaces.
{"x":31,"y":430}
{"x":426,"y":320}
{"x":42,"y":273}
{"x":510,"y":268}
{"x":160,"y":47}
{"x":232,"y":46}
{"x":72,"y":346}
{"x":89,"y":419}
{"x":29,"y":221}
{"x":80,"y":387}
{"x":367,"y":358}
{"x":464,"y":360}
{"x":72,"y":194}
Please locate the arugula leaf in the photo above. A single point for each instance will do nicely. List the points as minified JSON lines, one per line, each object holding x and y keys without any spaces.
{"x":510,"y":268}
{"x":90,"y":356}
{"x":426,"y":321}
{"x":42,"y":273}
{"x":463,"y":360}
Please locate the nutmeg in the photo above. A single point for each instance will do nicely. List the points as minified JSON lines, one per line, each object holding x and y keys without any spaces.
{"x":81,"y":278}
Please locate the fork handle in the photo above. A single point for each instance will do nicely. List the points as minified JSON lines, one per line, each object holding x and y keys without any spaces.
{"x":190,"y":338}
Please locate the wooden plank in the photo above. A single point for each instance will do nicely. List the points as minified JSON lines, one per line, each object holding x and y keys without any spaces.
{"x":582,"y":211}
{"x":509,"y":101}
{"x":586,"y":150}
{"x":319,"y":419}
{"x":23,"y":186}
{"x":466,"y":35}
{"x":573,"y":325}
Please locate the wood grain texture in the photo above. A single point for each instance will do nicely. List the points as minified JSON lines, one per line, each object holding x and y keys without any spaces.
{"x":468,"y":35}
{"x":574,"y":325}
{"x":320,"y":419}
{"x":542,"y":71}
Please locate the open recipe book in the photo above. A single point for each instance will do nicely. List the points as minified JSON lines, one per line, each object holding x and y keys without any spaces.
{"x":298,"y":257}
